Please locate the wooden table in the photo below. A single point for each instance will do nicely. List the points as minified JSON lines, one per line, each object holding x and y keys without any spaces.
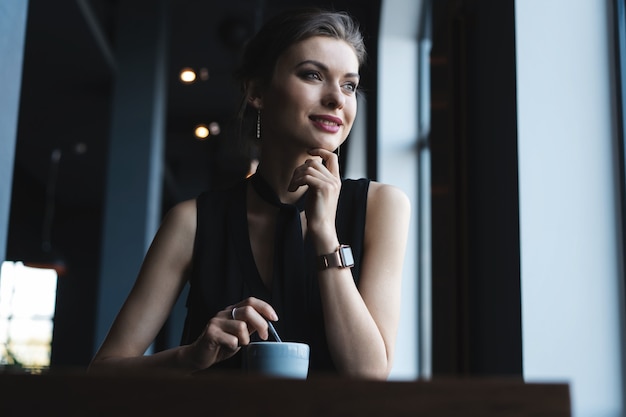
{"x":78,"y":394}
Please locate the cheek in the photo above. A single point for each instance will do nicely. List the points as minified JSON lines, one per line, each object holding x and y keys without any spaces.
{"x":350,"y":109}
{"x":287,"y":95}
{"x":276,"y":105}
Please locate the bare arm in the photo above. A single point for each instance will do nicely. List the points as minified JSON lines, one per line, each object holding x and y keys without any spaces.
{"x":159,"y":283}
{"x":361,"y":323}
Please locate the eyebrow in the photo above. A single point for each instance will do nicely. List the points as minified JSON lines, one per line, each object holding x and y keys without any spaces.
{"x":324,"y":67}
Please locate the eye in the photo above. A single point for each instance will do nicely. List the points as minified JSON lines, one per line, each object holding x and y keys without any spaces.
{"x":350,"y":86}
{"x":311,"y":75}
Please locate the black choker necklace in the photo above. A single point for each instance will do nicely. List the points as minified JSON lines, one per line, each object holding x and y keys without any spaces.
{"x":267,"y":193}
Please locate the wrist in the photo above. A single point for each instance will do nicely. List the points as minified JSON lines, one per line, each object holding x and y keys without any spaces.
{"x":326,"y":244}
{"x":340,"y":258}
{"x":187,"y":358}
{"x":324,"y":239}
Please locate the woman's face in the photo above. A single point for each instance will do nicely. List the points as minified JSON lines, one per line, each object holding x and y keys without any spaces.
{"x":311,"y":99}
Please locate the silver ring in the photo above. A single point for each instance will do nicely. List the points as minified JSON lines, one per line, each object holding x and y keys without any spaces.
{"x":232,"y":313}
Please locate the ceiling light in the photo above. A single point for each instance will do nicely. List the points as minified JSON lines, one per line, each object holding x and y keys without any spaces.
{"x":187,"y":75}
{"x":202,"y":132}
{"x":80,"y":148}
{"x":204,"y":74}
{"x":214,"y":128}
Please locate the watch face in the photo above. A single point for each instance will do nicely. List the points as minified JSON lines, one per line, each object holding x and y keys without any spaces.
{"x":346,"y":256}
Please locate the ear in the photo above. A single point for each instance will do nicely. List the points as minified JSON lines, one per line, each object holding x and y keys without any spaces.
{"x":254,"y":94}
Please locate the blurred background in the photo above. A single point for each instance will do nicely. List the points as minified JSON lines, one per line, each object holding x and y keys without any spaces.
{"x":502,"y":120}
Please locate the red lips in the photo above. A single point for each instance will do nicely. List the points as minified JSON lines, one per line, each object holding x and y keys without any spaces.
{"x":327,"y":119}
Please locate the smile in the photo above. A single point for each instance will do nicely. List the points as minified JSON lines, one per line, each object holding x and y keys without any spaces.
{"x":327,"y":120}
{"x":327,"y":124}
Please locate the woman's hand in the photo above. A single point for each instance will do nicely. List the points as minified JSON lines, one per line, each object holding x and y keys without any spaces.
{"x":230,"y":329}
{"x":322,"y":177}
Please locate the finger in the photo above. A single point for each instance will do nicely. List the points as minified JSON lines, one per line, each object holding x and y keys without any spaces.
{"x":253,"y":320}
{"x":298,"y":176}
{"x":264,"y":308}
{"x":330,"y":159}
{"x":225,"y":334}
{"x":254,"y":313}
{"x":312,"y":172}
{"x":319,"y":183}
{"x":239,"y":329}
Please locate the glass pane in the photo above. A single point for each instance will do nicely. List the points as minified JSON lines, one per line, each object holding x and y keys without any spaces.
{"x":27,"y":303}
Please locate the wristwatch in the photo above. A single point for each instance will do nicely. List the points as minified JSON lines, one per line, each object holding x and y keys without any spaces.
{"x":341,"y":258}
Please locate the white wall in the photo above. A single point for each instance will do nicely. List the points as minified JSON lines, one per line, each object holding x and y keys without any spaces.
{"x":570,"y":252}
{"x":397,"y":156}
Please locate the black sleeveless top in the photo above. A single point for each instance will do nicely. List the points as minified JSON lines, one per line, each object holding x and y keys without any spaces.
{"x":224,"y":271}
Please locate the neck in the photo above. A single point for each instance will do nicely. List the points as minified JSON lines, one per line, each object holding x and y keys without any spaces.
{"x":277,"y":169}
{"x":279,"y":180}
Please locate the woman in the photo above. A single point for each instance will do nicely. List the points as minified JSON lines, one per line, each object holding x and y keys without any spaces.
{"x":279,"y":246}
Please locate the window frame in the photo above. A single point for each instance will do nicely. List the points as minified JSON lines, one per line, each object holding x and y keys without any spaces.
{"x":619,"y":9}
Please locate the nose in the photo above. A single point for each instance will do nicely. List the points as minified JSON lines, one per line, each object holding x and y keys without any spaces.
{"x":333,"y":97}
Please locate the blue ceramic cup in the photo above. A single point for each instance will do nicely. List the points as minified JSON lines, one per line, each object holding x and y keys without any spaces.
{"x":279,"y":360}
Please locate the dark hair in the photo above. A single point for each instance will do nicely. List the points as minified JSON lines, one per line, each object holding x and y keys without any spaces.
{"x":292,"y":26}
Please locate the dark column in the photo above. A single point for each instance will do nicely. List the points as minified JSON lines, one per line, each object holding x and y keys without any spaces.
{"x":12,"y":33}
{"x":135,"y":159}
{"x":475,"y":204}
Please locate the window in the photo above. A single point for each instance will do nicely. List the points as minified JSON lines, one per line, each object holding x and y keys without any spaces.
{"x":27,"y":303}
{"x":620,"y":79}
{"x":423,"y":207}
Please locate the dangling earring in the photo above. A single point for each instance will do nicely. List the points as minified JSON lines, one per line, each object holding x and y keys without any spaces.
{"x":258,"y":124}
{"x":338,"y":151}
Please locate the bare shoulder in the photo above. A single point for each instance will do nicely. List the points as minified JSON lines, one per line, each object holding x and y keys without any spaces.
{"x":179,"y":224}
{"x":172,"y":247}
{"x":182,"y":215}
{"x":387,"y":198}
{"x":387,"y":219}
